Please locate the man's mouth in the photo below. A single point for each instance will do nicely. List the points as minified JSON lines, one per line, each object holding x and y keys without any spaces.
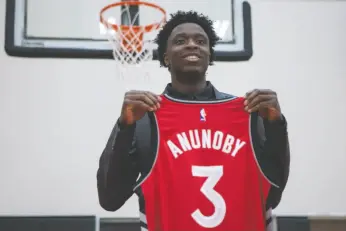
{"x":192,"y":58}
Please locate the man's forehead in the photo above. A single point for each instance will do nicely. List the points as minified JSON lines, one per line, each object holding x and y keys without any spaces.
{"x":188,"y":28}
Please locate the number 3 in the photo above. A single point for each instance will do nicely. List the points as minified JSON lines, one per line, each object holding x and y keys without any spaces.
{"x":213,"y":174}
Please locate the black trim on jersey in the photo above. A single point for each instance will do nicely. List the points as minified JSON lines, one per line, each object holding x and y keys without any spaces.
{"x":143,"y":225}
{"x":141,"y":200}
{"x":150,"y":157}
{"x":259,"y":153}
{"x":269,"y":220}
{"x":211,"y":101}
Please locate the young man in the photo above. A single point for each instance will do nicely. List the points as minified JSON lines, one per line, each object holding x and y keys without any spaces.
{"x":185,"y":191}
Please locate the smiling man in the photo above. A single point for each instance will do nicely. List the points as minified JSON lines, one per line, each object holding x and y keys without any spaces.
{"x":207,"y":160}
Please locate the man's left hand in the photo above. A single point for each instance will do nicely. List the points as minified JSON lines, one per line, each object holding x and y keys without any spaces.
{"x":265,"y":102}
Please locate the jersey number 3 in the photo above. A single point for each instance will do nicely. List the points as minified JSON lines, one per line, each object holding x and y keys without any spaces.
{"x":213,"y":175}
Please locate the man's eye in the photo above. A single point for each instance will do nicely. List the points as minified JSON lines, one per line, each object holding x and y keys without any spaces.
{"x":201,"y":41}
{"x":179,"y":41}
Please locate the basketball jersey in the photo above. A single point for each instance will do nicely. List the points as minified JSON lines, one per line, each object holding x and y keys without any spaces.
{"x":205,"y":175}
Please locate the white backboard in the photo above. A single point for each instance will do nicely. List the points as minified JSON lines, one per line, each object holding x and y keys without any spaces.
{"x":72,"y":29}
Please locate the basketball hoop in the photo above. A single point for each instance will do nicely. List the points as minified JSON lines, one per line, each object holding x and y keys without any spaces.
{"x":132,"y":44}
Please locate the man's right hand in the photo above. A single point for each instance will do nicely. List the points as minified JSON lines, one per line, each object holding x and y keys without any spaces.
{"x":136,"y":104}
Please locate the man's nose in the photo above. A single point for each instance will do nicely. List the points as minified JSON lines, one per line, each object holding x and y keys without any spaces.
{"x":192,"y":44}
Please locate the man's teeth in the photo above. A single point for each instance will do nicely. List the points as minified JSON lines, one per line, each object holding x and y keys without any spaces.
{"x":192,"y":58}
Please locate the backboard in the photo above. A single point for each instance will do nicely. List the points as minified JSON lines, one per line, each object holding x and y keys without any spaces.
{"x":71,"y":28}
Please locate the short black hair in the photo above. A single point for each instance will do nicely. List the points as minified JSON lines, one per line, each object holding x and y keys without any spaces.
{"x":181,"y":17}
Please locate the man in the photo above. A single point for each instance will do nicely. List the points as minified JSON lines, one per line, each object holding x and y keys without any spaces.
{"x":186,"y":47}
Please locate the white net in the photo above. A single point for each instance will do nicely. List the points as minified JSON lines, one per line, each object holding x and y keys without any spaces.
{"x":132,"y":44}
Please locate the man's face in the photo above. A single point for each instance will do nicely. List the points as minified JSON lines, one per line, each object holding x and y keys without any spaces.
{"x":188,"y":50}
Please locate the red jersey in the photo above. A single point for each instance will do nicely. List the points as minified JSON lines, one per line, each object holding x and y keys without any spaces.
{"x":205,"y":175}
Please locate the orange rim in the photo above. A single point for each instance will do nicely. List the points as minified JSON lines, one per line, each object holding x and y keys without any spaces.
{"x":146,"y":28}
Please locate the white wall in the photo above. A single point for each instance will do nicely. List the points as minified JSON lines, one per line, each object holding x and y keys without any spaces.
{"x":56,"y":115}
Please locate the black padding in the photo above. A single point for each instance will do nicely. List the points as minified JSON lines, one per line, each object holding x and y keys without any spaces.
{"x":293,"y":224}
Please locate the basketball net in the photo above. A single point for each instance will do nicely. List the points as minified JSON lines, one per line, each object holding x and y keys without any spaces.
{"x":132,"y":44}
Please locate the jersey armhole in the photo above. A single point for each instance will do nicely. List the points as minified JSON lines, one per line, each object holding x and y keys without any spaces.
{"x":257,"y":148}
{"x":149,"y":148}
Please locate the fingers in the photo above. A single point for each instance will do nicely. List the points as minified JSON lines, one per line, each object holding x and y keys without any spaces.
{"x":257,"y":101}
{"x":259,"y":106}
{"x":153,"y":100}
{"x":133,"y":104}
{"x":143,"y":99}
{"x":252,"y":94}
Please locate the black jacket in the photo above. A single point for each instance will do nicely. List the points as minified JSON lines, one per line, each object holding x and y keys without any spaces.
{"x":124,"y":156}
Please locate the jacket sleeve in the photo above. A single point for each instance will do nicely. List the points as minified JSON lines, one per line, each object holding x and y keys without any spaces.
{"x":117,"y":172}
{"x":275,"y":144}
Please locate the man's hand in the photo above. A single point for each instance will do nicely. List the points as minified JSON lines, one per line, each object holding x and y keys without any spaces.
{"x":136,"y":104}
{"x":265,"y":102}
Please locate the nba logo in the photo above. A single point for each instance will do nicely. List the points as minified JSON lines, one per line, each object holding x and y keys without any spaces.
{"x":203,"y":115}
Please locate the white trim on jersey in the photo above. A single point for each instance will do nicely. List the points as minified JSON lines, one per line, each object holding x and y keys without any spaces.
{"x":143,"y":218}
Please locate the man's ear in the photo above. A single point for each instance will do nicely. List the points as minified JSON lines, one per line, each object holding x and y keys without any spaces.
{"x":165,"y":58}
